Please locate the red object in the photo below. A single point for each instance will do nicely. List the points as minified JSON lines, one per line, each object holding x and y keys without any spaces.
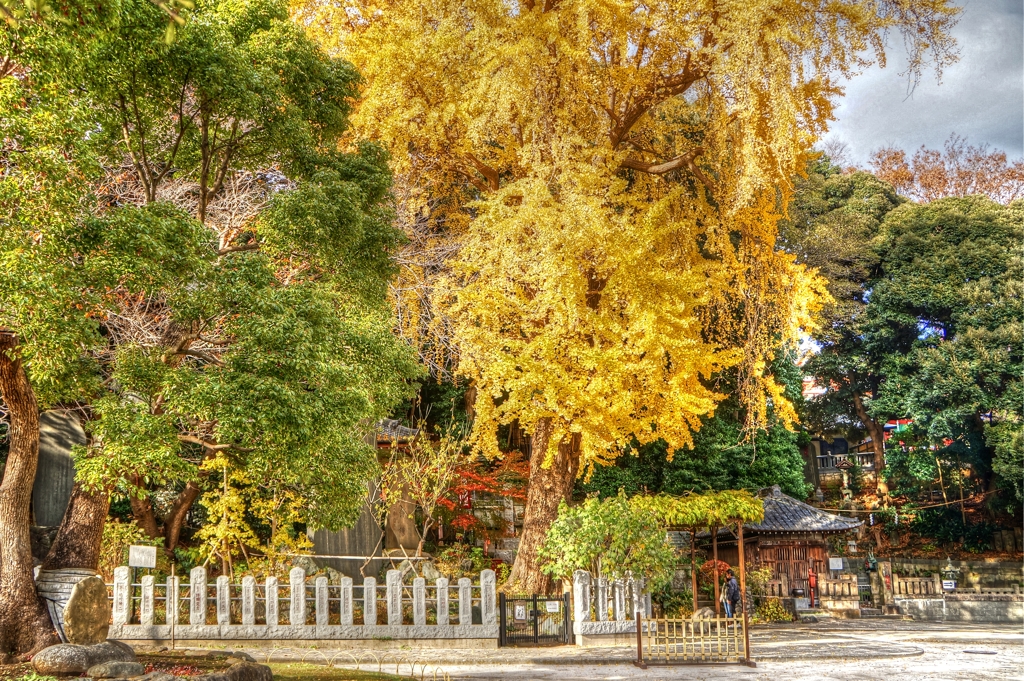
{"x":812,"y":585}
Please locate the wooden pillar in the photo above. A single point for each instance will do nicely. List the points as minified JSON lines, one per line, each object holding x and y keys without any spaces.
{"x":714,"y":558}
{"x":743,"y":591}
{"x":693,"y":565}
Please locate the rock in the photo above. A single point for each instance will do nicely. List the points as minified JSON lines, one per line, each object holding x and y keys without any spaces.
{"x":64,"y":658}
{"x":240,"y":671}
{"x":241,"y":655}
{"x":306,"y":563}
{"x":70,"y":658}
{"x":704,"y":614}
{"x":116,"y":670}
{"x":809,"y":619}
{"x":87,"y":614}
{"x":430,"y":571}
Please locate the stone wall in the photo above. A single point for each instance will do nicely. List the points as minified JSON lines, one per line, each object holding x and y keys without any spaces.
{"x":966,"y":607}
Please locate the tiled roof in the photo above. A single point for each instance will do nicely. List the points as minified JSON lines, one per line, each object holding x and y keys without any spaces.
{"x":785,"y":514}
{"x":391,"y":429}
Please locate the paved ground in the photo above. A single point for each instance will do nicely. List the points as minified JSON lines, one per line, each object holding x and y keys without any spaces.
{"x":842,"y":649}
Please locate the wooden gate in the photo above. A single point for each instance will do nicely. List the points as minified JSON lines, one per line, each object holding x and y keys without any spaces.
{"x":794,"y":560}
{"x":717,"y":640}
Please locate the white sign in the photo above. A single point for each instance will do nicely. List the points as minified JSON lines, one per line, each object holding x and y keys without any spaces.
{"x":835,"y":563}
{"x":949,"y":585}
{"x":142,"y":556}
{"x":520,"y":612}
{"x":552,"y":606}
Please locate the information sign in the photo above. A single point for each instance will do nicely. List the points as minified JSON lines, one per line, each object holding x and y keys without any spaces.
{"x":552,"y":606}
{"x":142,"y":556}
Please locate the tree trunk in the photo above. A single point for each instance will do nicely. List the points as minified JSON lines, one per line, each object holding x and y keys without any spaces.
{"x":142,"y":510}
{"x":175,"y":520}
{"x":80,"y":536}
{"x":877,"y":433}
{"x":25,"y":626}
{"x":548,"y":487}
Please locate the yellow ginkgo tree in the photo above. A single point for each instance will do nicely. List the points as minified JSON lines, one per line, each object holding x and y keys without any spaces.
{"x":612,"y":172}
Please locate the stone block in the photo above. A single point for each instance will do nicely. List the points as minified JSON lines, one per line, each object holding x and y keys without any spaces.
{"x":248,"y":600}
{"x":271,"y":603}
{"x":394,"y":597}
{"x":488,"y":598}
{"x":581,"y":596}
{"x":223,"y":600}
{"x":297,"y":604}
{"x":122,"y":596}
{"x":173,"y":598}
{"x":322,"y":602}
{"x":87,"y":613}
{"x":602,"y":599}
{"x":465,"y":600}
{"x":370,"y":601}
{"x":346,"y":601}
{"x":419,"y":601}
{"x":146,"y":603}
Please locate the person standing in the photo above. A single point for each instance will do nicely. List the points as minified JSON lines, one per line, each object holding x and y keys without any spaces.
{"x":732,"y":594}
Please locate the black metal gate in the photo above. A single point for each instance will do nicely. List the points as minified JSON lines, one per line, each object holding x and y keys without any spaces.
{"x":534,"y":620}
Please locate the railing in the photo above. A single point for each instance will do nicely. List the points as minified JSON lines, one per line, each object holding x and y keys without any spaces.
{"x":829,"y":461}
{"x":313,"y":611}
{"x":603,"y":600}
{"x":916,"y":587}
{"x":688,"y":641}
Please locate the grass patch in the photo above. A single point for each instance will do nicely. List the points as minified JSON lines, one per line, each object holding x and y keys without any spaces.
{"x":316,"y":672}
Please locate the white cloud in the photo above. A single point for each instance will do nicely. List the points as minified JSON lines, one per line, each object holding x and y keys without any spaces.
{"x":981,"y":97}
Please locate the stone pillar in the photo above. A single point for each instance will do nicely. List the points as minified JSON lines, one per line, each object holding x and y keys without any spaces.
{"x":248,"y":600}
{"x":488,"y":597}
{"x":370,"y":601}
{"x":581,"y":596}
{"x":146,"y":606}
{"x":465,"y":600}
{"x":122,"y":599}
{"x":442,"y":601}
{"x":937,"y":583}
{"x":197,"y":596}
{"x":297,"y":609}
{"x":173,"y":596}
{"x":394,"y":583}
{"x":322,"y":602}
{"x":345,"y":605}
{"x":270,"y":604}
{"x":223,"y":600}
{"x":419,"y":601}
{"x":637,"y":595}
{"x":602,"y":599}
{"x":619,"y":603}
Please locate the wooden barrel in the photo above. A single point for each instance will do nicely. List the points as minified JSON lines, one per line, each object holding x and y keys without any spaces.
{"x":54,"y":586}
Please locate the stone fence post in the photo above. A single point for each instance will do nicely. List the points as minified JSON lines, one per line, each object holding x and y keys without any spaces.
{"x":146,"y":605}
{"x":197,"y":596}
{"x":602,"y":599}
{"x":297,"y":605}
{"x":488,"y":597}
{"x":223,"y":600}
{"x":270,"y":603}
{"x":394,"y":584}
{"x":419,"y":601}
{"x":581,"y":596}
{"x":322,"y":602}
{"x":248,"y":600}
{"x":173,"y":596}
{"x":345,"y":605}
{"x":465,"y":600}
{"x":122,"y":602}
{"x":369,"y":600}
{"x":442,"y":600}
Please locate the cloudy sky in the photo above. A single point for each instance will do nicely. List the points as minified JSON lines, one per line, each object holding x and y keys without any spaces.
{"x":980,"y":97}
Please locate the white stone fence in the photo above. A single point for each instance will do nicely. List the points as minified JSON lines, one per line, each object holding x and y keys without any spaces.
{"x":602,"y":606}
{"x":302,"y":611}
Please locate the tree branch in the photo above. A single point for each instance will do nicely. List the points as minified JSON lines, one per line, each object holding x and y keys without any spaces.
{"x":685,"y":160}
{"x":490,"y":173}
{"x":235,"y":249}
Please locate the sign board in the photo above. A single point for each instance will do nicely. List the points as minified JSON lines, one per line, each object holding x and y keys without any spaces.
{"x":844,"y":465}
{"x":949,"y":585}
{"x":142,"y":556}
{"x":551,"y":606}
{"x":835,"y":563}
{"x":520,"y":613}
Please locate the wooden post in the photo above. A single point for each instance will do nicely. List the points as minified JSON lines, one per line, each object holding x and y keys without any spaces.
{"x":714,"y":560}
{"x":693,"y":566}
{"x":743,"y":592}
{"x":637,"y":617}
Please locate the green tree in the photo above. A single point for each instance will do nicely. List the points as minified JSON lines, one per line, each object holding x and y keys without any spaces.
{"x":948,"y":303}
{"x":834,"y":225}
{"x":206,"y":283}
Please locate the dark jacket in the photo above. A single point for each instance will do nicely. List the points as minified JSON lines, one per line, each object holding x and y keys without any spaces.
{"x":732,"y":591}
